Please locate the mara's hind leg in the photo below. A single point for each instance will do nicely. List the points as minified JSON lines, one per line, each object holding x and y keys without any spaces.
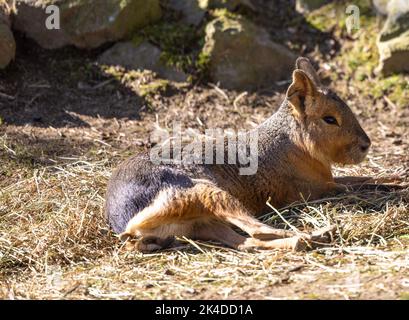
{"x":180,"y":212}
{"x":226,"y":235}
{"x":174,"y":212}
{"x":202,"y":202}
{"x":228,"y":209}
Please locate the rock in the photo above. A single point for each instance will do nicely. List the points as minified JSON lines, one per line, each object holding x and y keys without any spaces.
{"x":381,"y":6}
{"x":5,"y":11}
{"x":309,"y":5}
{"x":191,"y":12}
{"x":395,"y":26}
{"x":30,"y":18}
{"x":84,"y":23}
{"x":386,"y":7}
{"x":7,"y":43}
{"x":393,"y":42}
{"x":241,"y":55}
{"x":225,"y":4}
{"x":142,"y":56}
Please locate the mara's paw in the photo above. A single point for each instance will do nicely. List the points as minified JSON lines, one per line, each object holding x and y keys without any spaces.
{"x":130,"y":241}
{"x":151,"y":243}
{"x":126,"y":237}
{"x":318,"y":238}
{"x":300,"y":243}
{"x":147,"y":244}
{"x":326,"y":233}
{"x":394,"y":179}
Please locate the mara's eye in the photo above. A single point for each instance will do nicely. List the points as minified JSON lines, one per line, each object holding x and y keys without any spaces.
{"x":330,"y":120}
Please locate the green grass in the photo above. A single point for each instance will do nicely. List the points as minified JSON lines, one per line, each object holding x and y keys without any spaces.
{"x":177,"y":42}
{"x":155,"y":87}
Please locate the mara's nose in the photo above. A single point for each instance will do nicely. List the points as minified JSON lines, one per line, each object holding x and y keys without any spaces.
{"x":364,"y":146}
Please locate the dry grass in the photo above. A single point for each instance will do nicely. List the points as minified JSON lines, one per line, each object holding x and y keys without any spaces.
{"x":54,"y":243}
{"x":54,"y":240}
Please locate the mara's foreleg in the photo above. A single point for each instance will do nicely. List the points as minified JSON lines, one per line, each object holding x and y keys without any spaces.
{"x":368,"y":183}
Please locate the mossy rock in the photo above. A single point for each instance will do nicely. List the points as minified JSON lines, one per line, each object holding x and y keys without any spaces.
{"x":224,"y":4}
{"x":5,"y":11}
{"x":393,"y":44}
{"x":390,"y":7}
{"x":85,"y":23}
{"x":381,"y":6}
{"x":141,"y":56}
{"x":309,"y":5}
{"x":7,"y":43}
{"x":7,"y":46}
{"x":240,"y":55}
{"x":192,"y":13}
{"x":394,"y":55}
{"x":394,"y":26}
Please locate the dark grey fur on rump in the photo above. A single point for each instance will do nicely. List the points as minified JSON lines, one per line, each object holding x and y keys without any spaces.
{"x":134,"y":185}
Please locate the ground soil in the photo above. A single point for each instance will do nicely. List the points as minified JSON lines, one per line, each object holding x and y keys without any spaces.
{"x":65,"y":124}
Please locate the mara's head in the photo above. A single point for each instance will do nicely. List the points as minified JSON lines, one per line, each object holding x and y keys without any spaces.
{"x":329,"y":130}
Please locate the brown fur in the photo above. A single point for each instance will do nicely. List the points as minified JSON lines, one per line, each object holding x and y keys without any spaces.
{"x":297,"y":147}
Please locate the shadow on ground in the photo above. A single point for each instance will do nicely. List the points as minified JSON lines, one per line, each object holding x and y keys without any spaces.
{"x":53,"y":88}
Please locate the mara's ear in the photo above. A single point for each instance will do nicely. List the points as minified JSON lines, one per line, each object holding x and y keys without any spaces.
{"x":301,"y":87}
{"x":305,"y":65}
